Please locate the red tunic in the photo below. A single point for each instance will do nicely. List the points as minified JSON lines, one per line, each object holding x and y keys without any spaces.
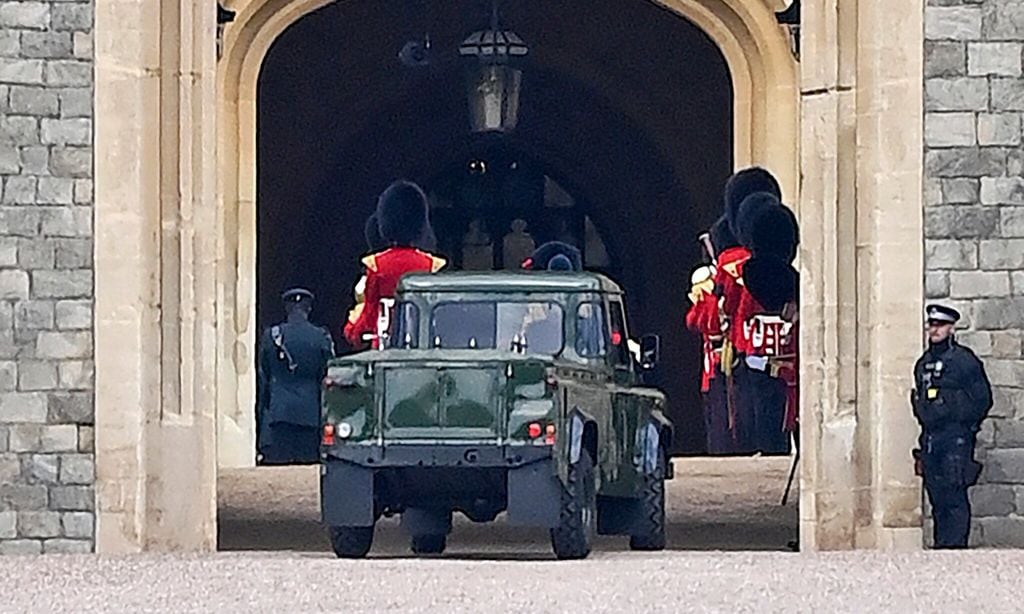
{"x":728,"y":278}
{"x":747,"y":308}
{"x":790,"y":374}
{"x":383,"y":270}
{"x":702,"y":318}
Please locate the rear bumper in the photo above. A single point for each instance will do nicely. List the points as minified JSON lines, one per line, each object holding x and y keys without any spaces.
{"x":357,"y":484}
{"x":438,"y":455}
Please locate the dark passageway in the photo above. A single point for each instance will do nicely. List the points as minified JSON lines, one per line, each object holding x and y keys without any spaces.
{"x":624,"y":141}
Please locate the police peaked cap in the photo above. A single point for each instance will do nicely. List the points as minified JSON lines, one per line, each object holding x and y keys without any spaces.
{"x":402,"y":215}
{"x":544,"y":256}
{"x":766,"y":226}
{"x":296,"y":295}
{"x":941,"y":313}
{"x":771,"y":281}
{"x":722,"y":237}
{"x":741,"y":185}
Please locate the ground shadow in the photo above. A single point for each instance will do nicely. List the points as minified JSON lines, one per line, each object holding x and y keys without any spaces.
{"x":713,"y":504}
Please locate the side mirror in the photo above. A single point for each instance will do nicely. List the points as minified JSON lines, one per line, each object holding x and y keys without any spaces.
{"x":650,"y":351}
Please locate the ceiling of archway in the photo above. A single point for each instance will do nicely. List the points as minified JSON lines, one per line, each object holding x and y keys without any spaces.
{"x":634,"y":65}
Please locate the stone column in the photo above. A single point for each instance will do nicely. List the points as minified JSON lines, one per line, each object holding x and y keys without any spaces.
{"x":861,"y":264}
{"x":155,"y":261}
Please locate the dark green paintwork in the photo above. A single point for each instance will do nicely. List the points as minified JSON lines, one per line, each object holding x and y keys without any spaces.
{"x":490,"y":396}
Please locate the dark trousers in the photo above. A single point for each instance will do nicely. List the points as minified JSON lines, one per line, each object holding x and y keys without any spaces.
{"x":743,"y":401}
{"x":716,"y":418}
{"x":284,"y":443}
{"x":761,"y":411}
{"x":949,"y":470}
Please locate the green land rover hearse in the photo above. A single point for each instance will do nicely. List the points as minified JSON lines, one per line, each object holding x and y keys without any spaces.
{"x":497,"y":392}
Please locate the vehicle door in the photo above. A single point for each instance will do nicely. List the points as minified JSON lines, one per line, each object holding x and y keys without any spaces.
{"x":624,"y":403}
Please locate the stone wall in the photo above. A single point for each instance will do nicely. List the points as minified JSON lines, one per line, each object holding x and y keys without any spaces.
{"x":46,"y":277}
{"x":974,"y":224}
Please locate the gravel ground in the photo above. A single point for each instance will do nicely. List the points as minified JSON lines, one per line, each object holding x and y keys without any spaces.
{"x":723,"y":504}
{"x":713,"y":504}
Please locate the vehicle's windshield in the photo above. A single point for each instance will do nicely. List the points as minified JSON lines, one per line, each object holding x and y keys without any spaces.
{"x":533,"y":327}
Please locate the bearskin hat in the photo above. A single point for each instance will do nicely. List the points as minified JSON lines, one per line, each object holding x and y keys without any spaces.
{"x":371,"y":231}
{"x":427,"y":242}
{"x":402,"y":214}
{"x":545,"y":255}
{"x":768,"y":227}
{"x":741,"y":185}
{"x":722,"y":237}
{"x":771,"y":281}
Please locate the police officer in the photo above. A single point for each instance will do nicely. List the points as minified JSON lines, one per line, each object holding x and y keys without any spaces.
{"x":292,"y":363}
{"x":951,"y":397}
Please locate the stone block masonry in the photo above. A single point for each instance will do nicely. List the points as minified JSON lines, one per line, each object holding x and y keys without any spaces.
{"x":974,"y":244}
{"x":47,"y":464}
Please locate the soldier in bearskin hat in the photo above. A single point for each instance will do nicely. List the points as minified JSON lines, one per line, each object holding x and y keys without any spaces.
{"x":766,"y":379}
{"x":703,"y":319}
{"x":744,"y":183}
{"x":375,"y":243}
{"x":403,"y":223}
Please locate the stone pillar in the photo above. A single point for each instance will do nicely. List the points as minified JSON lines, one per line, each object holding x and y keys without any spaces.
{"x":861,"y":266}
{"x":155,"y":261}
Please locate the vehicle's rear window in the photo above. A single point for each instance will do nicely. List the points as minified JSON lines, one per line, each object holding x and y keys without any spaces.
{"x":537,"y":326}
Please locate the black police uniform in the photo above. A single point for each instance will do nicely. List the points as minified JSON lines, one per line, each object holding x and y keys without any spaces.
{"x":292,"y":363}
{"x":952,"y":397}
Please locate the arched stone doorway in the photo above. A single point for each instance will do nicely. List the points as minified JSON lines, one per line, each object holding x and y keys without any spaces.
{"x":175,"y":247}
{"x":764,"y":131}
{"x":644,"y":145}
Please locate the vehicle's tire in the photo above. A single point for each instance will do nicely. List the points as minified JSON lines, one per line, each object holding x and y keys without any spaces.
{"x":351,"y":542}
{"x":577,"y":523}
{"x":649,"y":533}
{"x":429,"y":544}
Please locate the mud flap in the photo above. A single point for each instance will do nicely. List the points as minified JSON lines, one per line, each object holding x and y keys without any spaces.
{"x":534,"y":495}
{"x":346,"y":495}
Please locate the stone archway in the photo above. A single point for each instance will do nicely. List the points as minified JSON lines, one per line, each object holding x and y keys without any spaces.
{"x":175,"y":236}
{"x":766,"y":127}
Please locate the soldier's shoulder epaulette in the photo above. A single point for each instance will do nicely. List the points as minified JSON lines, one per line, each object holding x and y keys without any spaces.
{"x":436,"y":263}
{"x":370,"y":261}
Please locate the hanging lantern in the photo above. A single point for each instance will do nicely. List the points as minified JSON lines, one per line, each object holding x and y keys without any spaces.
{"x":494,"y":78}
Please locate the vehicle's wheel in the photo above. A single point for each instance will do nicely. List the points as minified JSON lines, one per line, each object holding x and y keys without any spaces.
{"x":429,"y":544}
{"x":650,"y":531}
{"x":573,"y":537}
{"x":351,"y":542}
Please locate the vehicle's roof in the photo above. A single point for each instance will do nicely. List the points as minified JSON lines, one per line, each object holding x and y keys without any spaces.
{"x":508,"y":281}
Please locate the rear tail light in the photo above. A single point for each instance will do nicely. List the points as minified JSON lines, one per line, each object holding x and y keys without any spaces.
{"x":328,"y":382}
{"x":549,"y":435}
{"x":540,"y":433}
{"x":328,"y":438}
{"x":534,"y":430}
